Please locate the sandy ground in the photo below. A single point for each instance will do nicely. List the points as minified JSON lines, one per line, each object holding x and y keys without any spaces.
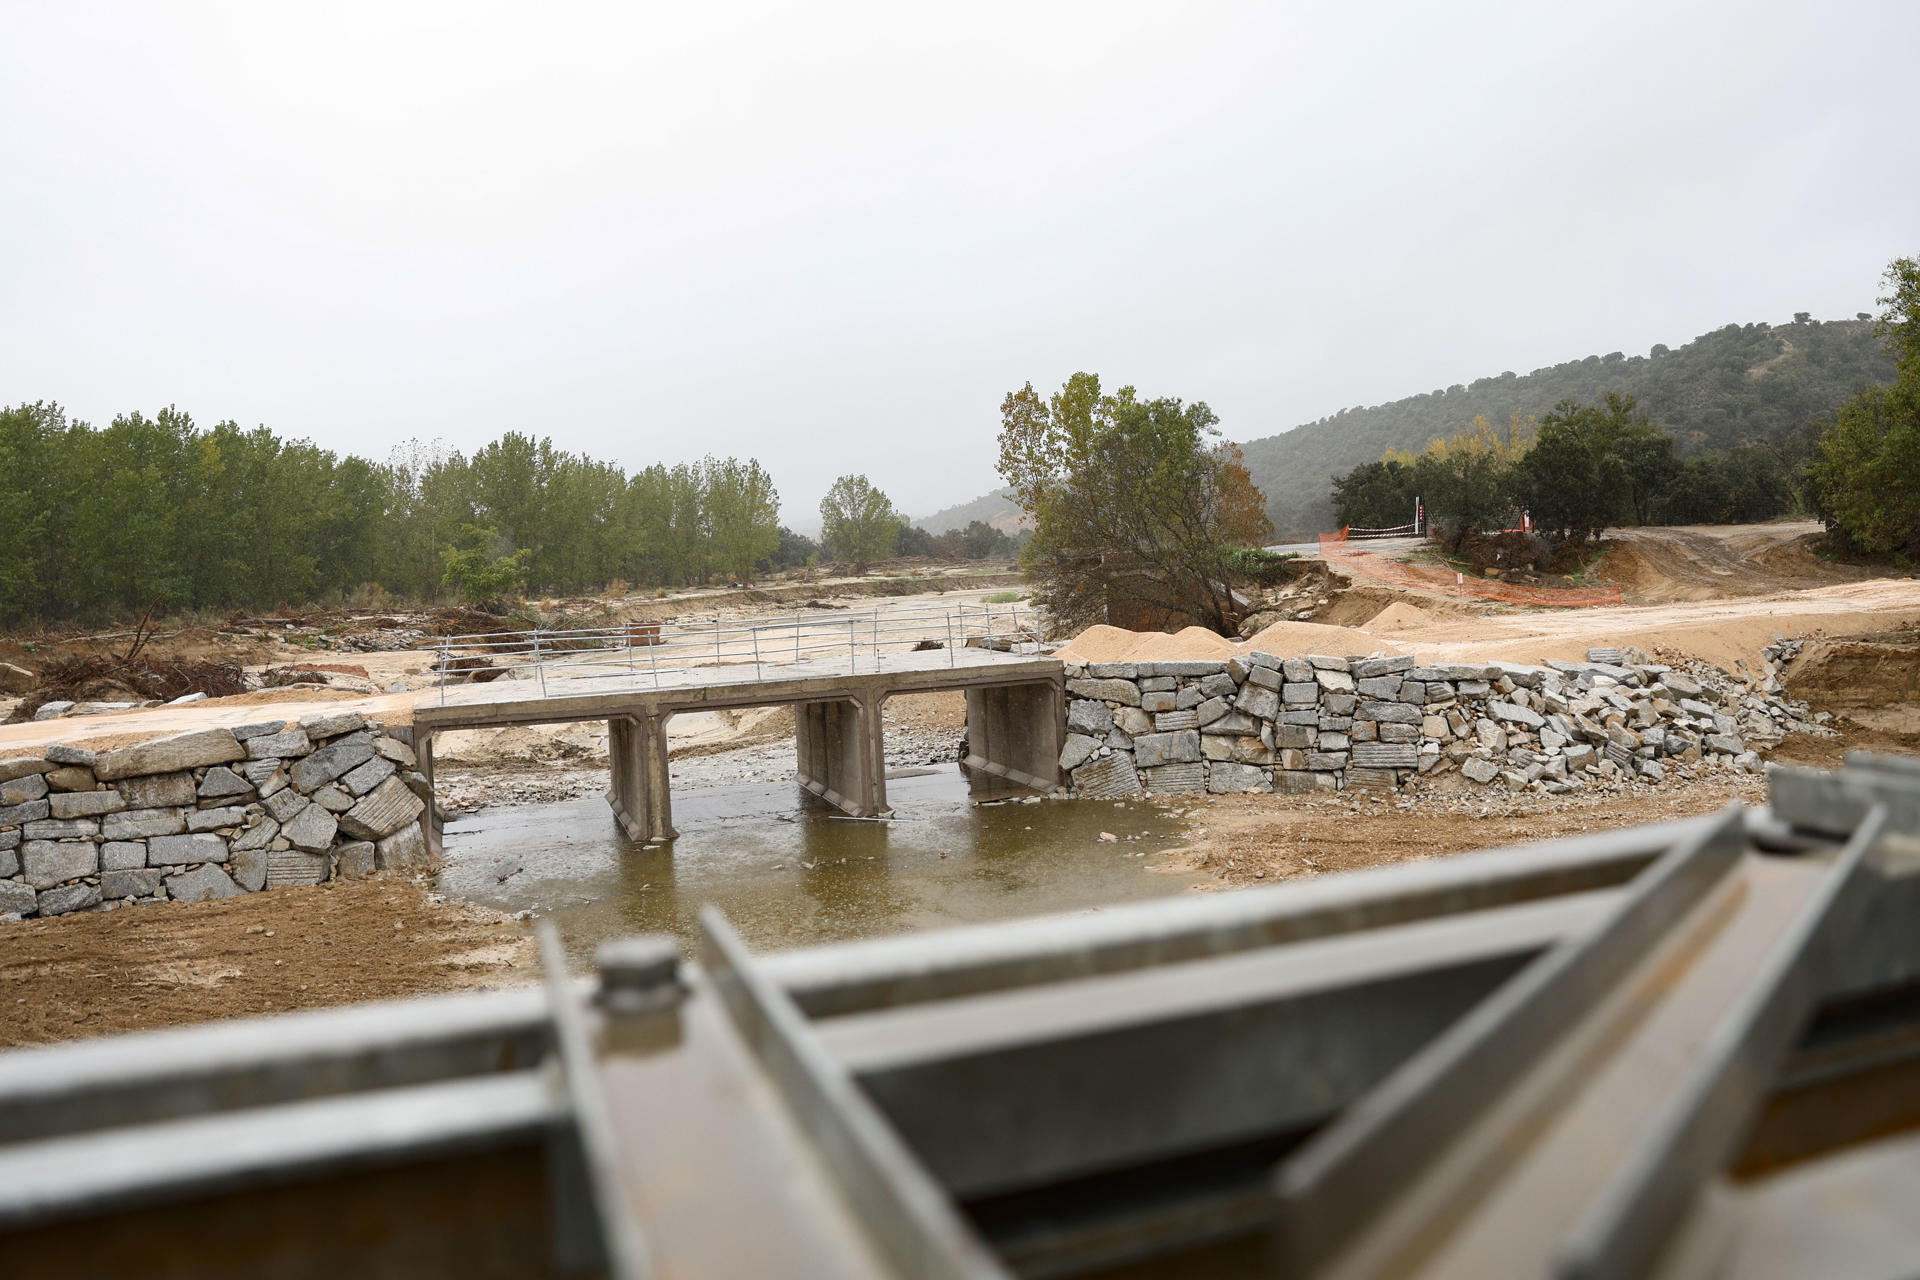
{"x":161,"y":966}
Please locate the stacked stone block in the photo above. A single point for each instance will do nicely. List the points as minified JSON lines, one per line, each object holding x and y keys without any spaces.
{"x":208,"y":814}
{"x":1313,"y":723}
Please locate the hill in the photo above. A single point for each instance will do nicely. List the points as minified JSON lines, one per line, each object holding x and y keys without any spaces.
{"x":996,"y":508}
{"x":1743,"y":384}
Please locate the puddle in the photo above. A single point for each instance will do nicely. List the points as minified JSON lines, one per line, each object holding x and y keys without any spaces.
{"x":789,"y":871}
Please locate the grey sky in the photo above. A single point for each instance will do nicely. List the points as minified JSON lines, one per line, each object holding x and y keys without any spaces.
{"x":834,"y":238}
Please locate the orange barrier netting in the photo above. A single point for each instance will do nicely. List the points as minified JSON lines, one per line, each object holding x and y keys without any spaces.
{"x":1334,"y":546}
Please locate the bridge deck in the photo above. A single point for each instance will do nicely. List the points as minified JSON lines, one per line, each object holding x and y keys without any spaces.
{"x":1014,"y":717}
{"x":567,"y":697}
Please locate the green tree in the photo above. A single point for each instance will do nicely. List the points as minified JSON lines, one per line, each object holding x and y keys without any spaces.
{"x":743,"y":515}
{"x":858,"y":522}
{"x":1865,"y":480}
{"x":483,"y":571}
{"x":1376,"y":495}
{"x":1134,"y":502}
{"x":1591,"y":466}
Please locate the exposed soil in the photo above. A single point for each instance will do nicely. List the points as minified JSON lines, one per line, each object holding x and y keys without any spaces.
{"x":1655,"y":565}
{"x":1874,"y":680}
{"x":1247,"y":840}
{"x":143,"y":967}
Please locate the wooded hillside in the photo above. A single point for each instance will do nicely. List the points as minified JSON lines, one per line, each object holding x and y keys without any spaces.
{"x":1743,"y":384}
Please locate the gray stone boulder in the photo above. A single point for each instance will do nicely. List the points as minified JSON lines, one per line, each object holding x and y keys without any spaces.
{"x":364,"y":778}
{"x":201,"y":884}
{"x":1089,"y":717}
{"x":355,"y":861}
{"x":222,"y":783}
{"x":333,"y":724}
{"x":157,"y":791}
{"x":281,"y":745}
{"x":215,"y":819}
{"x":123,"y":855}
{"x":84,"y":804}
{"x":390,"y":806}
{"x":1167,"y":748}
{"x":330,"y":761}
{"x":170,"y":755}
{"x":311,"y":830}
{"x":1480,"y":771}
{"x":1511,"y":714}
{"x":17,"y":899}
{"x":21,"y":790}
{"x":1230,"y":779}
{"x":46,"y":863}
{"x":174,"y":851}
{"x":1121,"y":691}
{"x":1077,"y":750}
{"x":249,"y":869}
{"x":72,"y":897}
{"x":133,"y":882}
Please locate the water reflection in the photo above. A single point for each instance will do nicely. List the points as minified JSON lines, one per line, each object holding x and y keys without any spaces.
{"x":788,"y":870}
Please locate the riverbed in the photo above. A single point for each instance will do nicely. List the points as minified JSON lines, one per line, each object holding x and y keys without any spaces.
{"x":788,"y":870}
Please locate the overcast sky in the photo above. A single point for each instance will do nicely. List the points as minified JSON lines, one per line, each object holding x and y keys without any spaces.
{"x":834,"y":238}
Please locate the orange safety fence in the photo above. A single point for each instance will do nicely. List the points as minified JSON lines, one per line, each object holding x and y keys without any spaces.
{"x":1336,"y":547}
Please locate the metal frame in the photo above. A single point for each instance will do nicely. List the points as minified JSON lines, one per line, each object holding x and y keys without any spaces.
{"x":1334,"y":1078}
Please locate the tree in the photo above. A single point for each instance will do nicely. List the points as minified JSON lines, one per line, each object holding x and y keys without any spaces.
{"x":479,"y":571}
{"x":858,"y":522}
{"x":1133,"y":501}
{"x":743,"y":513}
{"x":1592,"y":466}
{"x":1865,"y":481}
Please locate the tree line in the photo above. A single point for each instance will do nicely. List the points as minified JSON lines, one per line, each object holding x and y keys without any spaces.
{"x":1575,"y":471}
{"x":149,"y":511}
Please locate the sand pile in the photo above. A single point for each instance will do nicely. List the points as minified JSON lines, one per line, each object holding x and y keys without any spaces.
{"x":1282,"y":639}
{"x":1297,"y":639}
{"x":1190,"y":645}
{"x":1101,"y":644}
{"x":1398,"y":616}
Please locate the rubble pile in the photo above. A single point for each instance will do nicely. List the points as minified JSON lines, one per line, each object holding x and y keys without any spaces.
{"x":1319,"y":723}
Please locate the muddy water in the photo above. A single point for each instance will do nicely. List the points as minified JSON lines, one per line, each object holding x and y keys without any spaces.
{"x":788,"y":870}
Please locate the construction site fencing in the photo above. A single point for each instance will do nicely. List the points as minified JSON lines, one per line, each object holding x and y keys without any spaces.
{"x":1337,"y":548}
{"x":647,"y":652}
{"x":1350,"y":533}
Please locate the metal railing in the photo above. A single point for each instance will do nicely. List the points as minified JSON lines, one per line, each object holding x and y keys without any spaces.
{"x":647,"y":651}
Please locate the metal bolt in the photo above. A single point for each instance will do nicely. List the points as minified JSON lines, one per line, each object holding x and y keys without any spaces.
{"x":639,"y":973}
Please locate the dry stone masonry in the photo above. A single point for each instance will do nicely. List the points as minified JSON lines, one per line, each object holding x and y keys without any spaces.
{"x":208,"y":814}
{"x":1305,"y":724}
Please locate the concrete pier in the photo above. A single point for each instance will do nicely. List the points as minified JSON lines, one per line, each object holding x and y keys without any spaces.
{"x":1014,"y":732}
{"x":1015,"y":718}
{"x":639,"y":790}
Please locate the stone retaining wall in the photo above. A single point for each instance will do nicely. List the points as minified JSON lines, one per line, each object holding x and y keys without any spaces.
{"x":1263,"y":723}
{"x":208,"y":814}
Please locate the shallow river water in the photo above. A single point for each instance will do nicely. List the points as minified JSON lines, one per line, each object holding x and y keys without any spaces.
{"x":788,"y":870}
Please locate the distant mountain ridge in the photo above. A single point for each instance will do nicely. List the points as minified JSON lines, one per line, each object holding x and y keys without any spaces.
{"x":997,"y":509}
{"x":1741,"y":384}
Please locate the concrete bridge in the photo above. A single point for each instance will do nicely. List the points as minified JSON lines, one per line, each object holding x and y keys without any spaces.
{"x":1015,"y":718}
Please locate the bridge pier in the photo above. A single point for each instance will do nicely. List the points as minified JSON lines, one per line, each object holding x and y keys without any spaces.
{"x":1014,"y":732}
{"x":842,"y":752}
{"x":641,"y":791}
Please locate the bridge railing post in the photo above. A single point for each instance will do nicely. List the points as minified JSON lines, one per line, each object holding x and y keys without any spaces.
{"x":755,"y":631}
